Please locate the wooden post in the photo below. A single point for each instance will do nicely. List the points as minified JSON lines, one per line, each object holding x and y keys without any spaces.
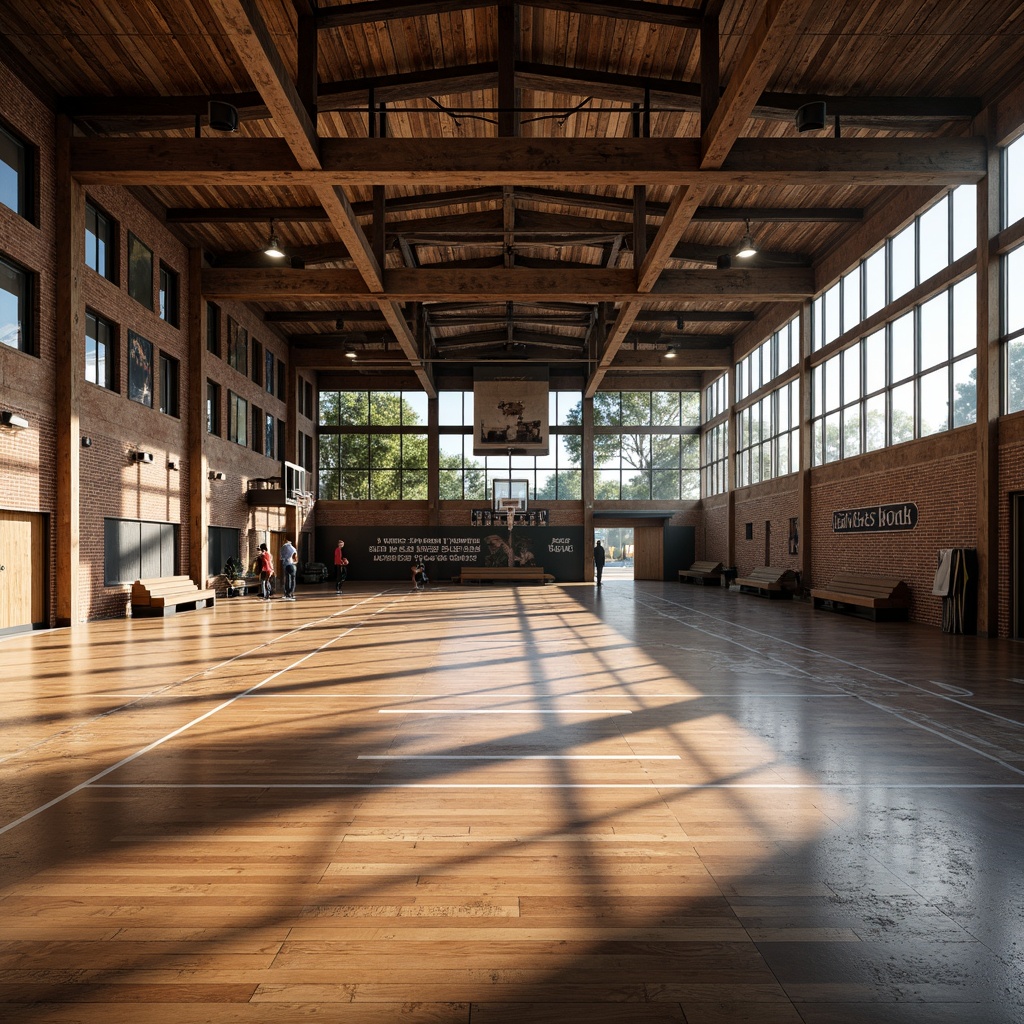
{"x":587,"y":490}
{"x":198,"y":546}
{"x":70,"y":371}
{"x":730,"y":468}
{"x":433,"y":462}
{"x":806,"y":447}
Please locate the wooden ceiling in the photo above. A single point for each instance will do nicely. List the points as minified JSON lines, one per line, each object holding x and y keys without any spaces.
{"x":556,"y":181}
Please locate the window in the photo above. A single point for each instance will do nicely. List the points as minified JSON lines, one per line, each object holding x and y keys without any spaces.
{"x":213,"y":408}
{"x":257,"y":362}
{"x":257,"y":429}
{"x":282,"y":381}
{"x":168,"y":295}
{"x":716,"y":459}
{"x":238,"y":347}
{"x":772,"y":358}
{"x":16,"y":307}
{"x":213,"y":329}
{"x":16,"y":174}
{"x":716,"y":397}
{"x":100,"y":243}
{"x":268,"y":375}
{"x":238,"y":419}
{"x":282,"y":448}
{"x":221,"y":544}
{"x":140,"y":271}
{"x":168,"y":384}
{"x":100,"y":359}
{"x":268,"y":436}
{"x":1013,"y":182}
{"x":911,"y":378}
{"x":140,"y":369}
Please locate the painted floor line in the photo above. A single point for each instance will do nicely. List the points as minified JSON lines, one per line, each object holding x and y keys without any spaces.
{"x":503,"y":711}
{"x":518,"y":757}
{"x":564,"y":785}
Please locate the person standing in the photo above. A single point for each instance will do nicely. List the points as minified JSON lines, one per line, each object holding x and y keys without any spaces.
{"x":289,"y":560}
{"x":598,"y":561}
{"x":340,"y":566}
{"x":266,"y":566}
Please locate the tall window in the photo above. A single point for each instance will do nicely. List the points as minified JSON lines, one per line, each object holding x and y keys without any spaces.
{"x":256,"y":437}
{"x":16,"y":172}
{"x":169,"y":384}
{"x":1013,"y":328}
{"x":99,"y":351}
{"x":930,"y":243}
{"x":768,"y":436}
{"x":140,"y":369}
{"x":1013,"y":183}
{"x":268,"y":375}
{"x":716,"y":459}
{"x":771,"y":359}
{"x":913,"y":377}
{"x":213,"y":329}
{"x":100,"y":242}
{"x":238,"y":419}
{"x":268,"y":436}
{"x":16,"y":307}
{"x":213,"y":408}
{"x":169,"y":298}
{"x":238,"y":347}
{"x":140,"y":271}
{"x":257,"y":362}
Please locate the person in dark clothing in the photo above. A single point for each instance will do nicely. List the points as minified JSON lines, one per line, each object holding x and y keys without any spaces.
{"x":598,"y":561}
{"x":340,"y":566}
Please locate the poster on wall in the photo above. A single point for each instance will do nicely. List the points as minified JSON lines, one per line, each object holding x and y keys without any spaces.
{"x":510,"y":410}
{"x":386,"y":554}
{"x":875,"y":518}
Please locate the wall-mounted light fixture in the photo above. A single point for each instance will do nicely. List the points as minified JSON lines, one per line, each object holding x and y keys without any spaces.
{"x":138,"y":456}
{"x":172,"y":464}
{"x":811,"y":117}
{"x":215,"y":475}
{"x":12,"y":421}
{"x":86,"y":442}
{"x":223,"y":116}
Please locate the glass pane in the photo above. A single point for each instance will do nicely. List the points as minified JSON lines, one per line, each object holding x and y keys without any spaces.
{"x":414,"y":451}
{"x":570,"y":484}
{"x":13,"y":287}
{"x":832,"y":381}
{"x":817,"y":394}
{"x":935,"y":331}
{"x":817,"y":323}
{"x":901,"y":417}
{"x":1015,"y":375}
{"x":140,"y":271}
{"x":665,"y":485}
{"x":851,"y":430}
{"x":833,"y":313}
{"x":665,"y":451}
{"x":328,"y":447}
{"x":902,"y":346}
{"x":1013,"y":270}
{"x":330,"y":485}
{"x":901,"y":263}
{"x":355,"y":485}
{"x":1014,"y":183}
{"x":354,"y":451}
{"x":415,"y":408}
{"x":570,"y":405}
{"x":851,"y":299}
{"x":934,"y":401}
{"x":665,"y":408}
{"x":965,"y":392}
{"x":414,"y":485}
{"x":606,"y":484}
{"x":13,"y":173}
{"x":689,"y":454}
{"x":475,"y":485}
{"x":782,"y":415}
{"x":449,"y":409}
{"x":851,"y":374}
{"x":874,"y":423}
{"x":965,"y":223}
{"x":933,"y":227}
{"x":874,"y":282}
{"x":833,"y":426}
{"x":385,"y":485}
{"x":783,"y":461}
{"x":965,"y":316}
{"x":353,"y":408}
{"x":607,"y":411}
{"x":450,"y":484}
{"x":385,"y":408}
{"x":690,"y":408}
{"x":450,"y":448}
{"x":817,"y":451}
{"x":874,"y":362}
{"x":636,"y":408}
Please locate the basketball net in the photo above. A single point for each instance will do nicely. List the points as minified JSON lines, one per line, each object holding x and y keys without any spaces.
{"x":510,"y":516}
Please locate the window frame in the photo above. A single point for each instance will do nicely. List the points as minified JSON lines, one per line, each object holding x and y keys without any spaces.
{"x":140,"y":283}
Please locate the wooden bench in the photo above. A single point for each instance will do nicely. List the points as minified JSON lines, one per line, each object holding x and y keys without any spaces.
{"x":164,"y":595}
{"x":885,"y":597}
{"x":768,"y":581}
{"x":702,"y":572}
{"x":503,"y":574}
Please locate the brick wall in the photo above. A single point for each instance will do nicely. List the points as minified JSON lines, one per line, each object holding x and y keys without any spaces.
{"x":775,"y":502}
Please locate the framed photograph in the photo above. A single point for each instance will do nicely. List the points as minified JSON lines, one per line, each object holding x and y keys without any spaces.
{"x":510,"y":412}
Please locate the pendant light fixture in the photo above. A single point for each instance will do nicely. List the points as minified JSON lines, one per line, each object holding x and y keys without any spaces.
{"x":273,"y":246}
{"x":747,"y":247}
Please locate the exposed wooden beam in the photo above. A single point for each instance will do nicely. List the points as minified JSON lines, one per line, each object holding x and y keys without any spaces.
{"x":384,"y":10}
{"x":317,"y":316}
{"x":499,"y":285}
{"x":945,"y":161}
{"x":656,"y":14}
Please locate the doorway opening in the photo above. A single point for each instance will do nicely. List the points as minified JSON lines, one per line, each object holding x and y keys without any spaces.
{"x":1017,"y":566}
{"x":619,"y":551}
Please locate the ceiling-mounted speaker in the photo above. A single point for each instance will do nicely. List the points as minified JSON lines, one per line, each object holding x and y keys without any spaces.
{"x":223,"y":116}
{"x":811,"y":117}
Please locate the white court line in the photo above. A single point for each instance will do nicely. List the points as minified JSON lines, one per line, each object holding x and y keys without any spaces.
{"x":475,"y":694}
{"x":188,"y":725}
{"x":503,"y":711}
{"x":518,"y":757}
{"x":563,"y":785}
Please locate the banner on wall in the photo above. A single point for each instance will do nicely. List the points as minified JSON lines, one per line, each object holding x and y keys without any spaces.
{"x":875,"y":518}
{"x":510,"y":410}
{"x":386,"y":554}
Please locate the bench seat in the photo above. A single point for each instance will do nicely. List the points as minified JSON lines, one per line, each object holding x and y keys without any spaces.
{"x":503,"y":574}
{"x":164,"y":595}
{"x":702,"y":572}
{"x":768,"y":581}
{"x":886,"y":597}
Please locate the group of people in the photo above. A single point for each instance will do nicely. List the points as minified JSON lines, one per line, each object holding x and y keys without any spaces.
{"x":263,"y":565}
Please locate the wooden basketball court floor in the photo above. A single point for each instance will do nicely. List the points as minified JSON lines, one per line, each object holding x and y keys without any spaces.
{"x":645,"y":803}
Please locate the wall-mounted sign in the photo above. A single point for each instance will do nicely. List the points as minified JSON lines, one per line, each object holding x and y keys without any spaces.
{"x":875,"y":518}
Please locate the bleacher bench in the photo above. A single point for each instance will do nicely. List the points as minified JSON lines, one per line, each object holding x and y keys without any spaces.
{"x":503,"y":574}
{"x":702,"y":572}
{"x":768,"y":581}
{"x":164,"y":595}
{"x":885,"y":597}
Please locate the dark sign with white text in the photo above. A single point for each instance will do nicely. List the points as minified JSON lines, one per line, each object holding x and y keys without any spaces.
{"x":875,"y":518}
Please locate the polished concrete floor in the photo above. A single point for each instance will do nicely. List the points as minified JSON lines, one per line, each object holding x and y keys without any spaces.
{"x":643,"y":803}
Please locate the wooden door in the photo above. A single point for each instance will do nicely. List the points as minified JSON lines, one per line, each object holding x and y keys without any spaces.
{"x":648,"y":553}
{"x":22,"y":570}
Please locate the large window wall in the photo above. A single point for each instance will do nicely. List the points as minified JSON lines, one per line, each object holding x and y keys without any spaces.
{"x":1012,"y":274}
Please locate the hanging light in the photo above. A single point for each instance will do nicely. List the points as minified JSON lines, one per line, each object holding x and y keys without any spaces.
{"x":670,"y":352}
{"x":747,"y":247}
{"x":351,"y":354}
{"x":273,"y":246}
